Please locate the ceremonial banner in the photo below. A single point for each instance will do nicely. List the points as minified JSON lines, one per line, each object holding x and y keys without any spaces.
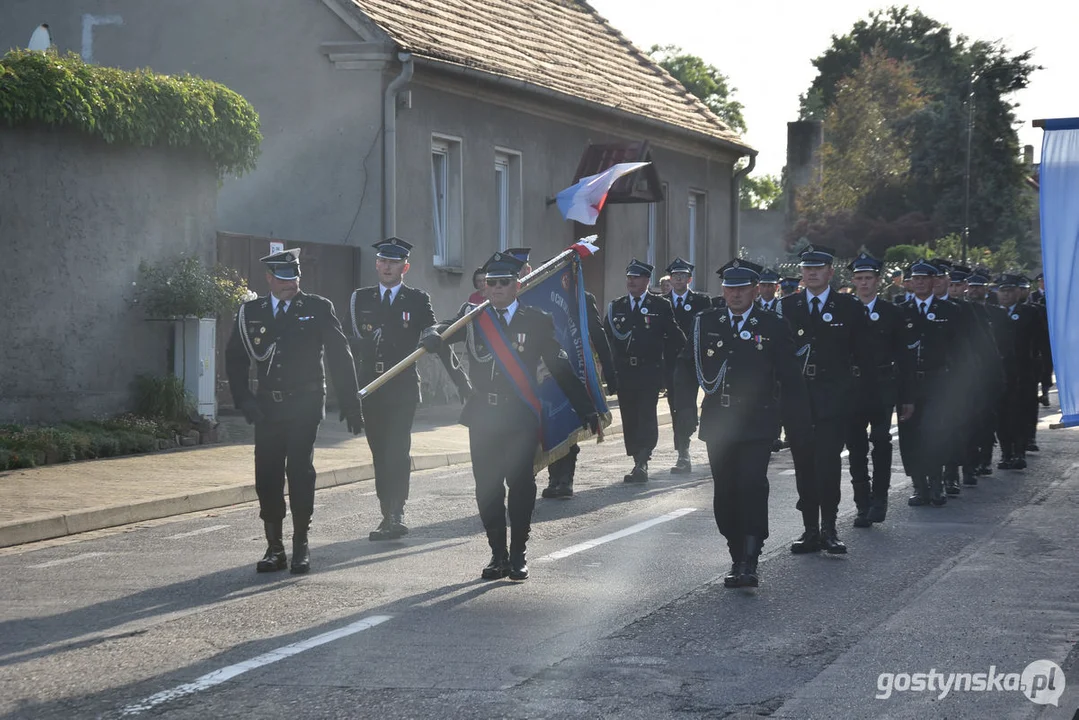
{"x":562,"y":295}
{"x":1059,"y":180}
{"x":584,"y":201}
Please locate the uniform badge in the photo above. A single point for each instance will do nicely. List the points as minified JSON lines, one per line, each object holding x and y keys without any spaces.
{"x":760,"y":346}
{"x":719,"y":344}
{"x":874,"y":316}
{"x":644,"y":310}
{"x":1015,"y":316}
{"x":801,"y":331}
{"x":688,"y":307}
{"x":826,"y":317}
{"x":711,"y":352}
{"x":257,"y":341}
{"x":744,"y":335}
{"x":521,"y":337}
{"x":262,"y":329}
{"x":931,"y":316}
{"x":405,"y":317}
{"x":909,"y":325}
{"x":753,"y":321}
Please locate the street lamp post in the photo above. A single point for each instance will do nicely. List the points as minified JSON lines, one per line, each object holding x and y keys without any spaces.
{"x":966,"y":173}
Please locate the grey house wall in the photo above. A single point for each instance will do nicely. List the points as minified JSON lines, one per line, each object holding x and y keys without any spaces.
{"x":762,"y":234}
{"x":77,"y":217}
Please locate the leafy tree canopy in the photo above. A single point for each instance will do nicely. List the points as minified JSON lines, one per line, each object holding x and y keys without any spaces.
{"x":702,"y":80}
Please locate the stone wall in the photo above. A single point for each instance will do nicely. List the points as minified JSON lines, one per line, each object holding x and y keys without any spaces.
{"x":76,"y":218}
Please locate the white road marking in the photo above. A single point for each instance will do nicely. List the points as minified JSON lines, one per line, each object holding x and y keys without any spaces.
{"x":67,"y":560}
{"x":201,"y":531}
{"x":589,"y":544}
{"x":789,"y":471}
{"x":227,"y":673}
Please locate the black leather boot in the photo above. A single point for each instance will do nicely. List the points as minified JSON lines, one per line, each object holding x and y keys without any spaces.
{"x":499,"y":566}
{"x":809,"y":542}
{"x":862,"y":502}
{"x":275,"y":558}
{"x":683,"y":466}
{"x":829,"y":539}
{"x":921,"y":491}
{"x":1020,"y":461}
{"x":301,"y":556}
{"x":551,"y":491}
{"x":878,"y":504}
{"x":518,"y":562}
{"x":937,"y":497}
{"x":639,"y":473}
{"x":753,"y":547}
{"x":397,"y":528}
{"x":951,"y":479}
{"x":970,"y":475}
{"x":737,"y":552}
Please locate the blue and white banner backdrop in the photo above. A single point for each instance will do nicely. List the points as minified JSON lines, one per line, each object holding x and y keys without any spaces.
{"x":1059,"y":181}
{"x":563,"y":296}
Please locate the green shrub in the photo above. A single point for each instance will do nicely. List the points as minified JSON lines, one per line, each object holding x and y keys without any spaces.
{"x":163,"y":398}
{"x":138,"y":108}
{"x":183,"y":287}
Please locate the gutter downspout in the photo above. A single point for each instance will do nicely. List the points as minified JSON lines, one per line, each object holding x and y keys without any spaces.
{"x":389,"y":146}
{"x":736,"y":209}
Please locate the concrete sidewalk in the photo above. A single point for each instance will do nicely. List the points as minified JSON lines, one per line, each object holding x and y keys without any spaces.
{"x":57,"y":500}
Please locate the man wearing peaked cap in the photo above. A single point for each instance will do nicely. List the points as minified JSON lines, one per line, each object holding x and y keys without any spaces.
{"x":978,"y":453}
{"x":830,"y":330}
{"x":506,"y":344}
{"x":737,"y":354}
{"x":767,"y":286}
{"x":386,"y":321}
{"x":644,"y":335}
{"x":287,"y":334}
{"x":882,"y":386}
{"x":789,"y":286}
{"x":686,"y":303}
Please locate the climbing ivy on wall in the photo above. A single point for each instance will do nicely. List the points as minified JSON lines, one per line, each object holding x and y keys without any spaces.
{"x":139,"y":108}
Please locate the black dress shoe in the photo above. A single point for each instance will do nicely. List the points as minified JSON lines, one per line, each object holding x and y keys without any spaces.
{"x":952,"y":488}
{"x":563,"y":490}
{"x":274,"y":559}
{"x":498,"y":567}
{"x":518,"y":565}
{"x":639,"y":473}
{"x":551,"y":490}
{"x":1005,"y":464}
{"x":878,"y":510}
{"x":733,"y":578}
{"x":1032,"y":446}
{"x":830,"y":542}
{"x":1020,"y":463}
{"x":861,"y":519}
{"x":382,"y":532}
{"x":397,"y":528}
{"x":918,"y":500}
{"x":749,"y":574}
{"x":1044,"y":399}
{"x":985,"y":470}
{"x":809,"y":542}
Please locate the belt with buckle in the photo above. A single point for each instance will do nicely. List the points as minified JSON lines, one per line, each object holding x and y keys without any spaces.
{"x":811,"y":370}
{"x":492,"y":398}
{"x":633,"y":361}
{"x":380,"y":367}
{"x":280,"y":395}
{"x":725,"y":400}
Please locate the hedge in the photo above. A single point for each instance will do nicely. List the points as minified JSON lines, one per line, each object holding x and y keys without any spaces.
{"x":138,"y":108}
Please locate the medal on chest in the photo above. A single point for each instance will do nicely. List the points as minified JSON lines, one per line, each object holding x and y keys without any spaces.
{"x":521,"y":337}
{"x":404,"y":319}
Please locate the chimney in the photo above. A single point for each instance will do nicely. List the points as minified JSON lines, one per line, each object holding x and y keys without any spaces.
{"x":804,"y":139}
{"x":1028,"y":156}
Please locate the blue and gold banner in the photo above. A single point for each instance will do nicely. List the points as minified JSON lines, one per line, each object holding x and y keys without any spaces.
{"x":562,"y":294}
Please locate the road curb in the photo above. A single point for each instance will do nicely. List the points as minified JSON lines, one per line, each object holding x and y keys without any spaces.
{"x":47,"y":527}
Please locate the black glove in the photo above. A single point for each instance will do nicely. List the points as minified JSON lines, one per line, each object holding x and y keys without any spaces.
{"x":354,"y":419}
{"x":250,"y":408}
{"x":430,"y":340}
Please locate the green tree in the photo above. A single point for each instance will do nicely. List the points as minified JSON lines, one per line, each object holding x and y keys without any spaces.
{"x":951,"y":70}
{"x":704,"y":81}
{"x":760,"y":192}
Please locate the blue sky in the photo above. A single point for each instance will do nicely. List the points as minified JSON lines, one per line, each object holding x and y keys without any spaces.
{"x":765,"y":48}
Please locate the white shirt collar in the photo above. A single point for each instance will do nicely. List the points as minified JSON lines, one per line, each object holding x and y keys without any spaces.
{"x":823,"y":296}
{"x":393,"y":291}
{"x":509,"y":311}
{"x":275,"y":300}
{"x":928,"y":302}
{"x":870,"y":305}
{"x":675,"y":296}
{"x":745,"y":315}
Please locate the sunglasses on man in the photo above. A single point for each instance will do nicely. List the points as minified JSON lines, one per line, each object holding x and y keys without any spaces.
{"x":502,"y":282}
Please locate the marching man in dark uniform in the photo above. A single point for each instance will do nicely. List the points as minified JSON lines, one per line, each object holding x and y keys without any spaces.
{"x":990,"y":384}
{"x":1021,"y":344}
{"x":882,"y":386}
{"x":767,"y":287}
{"x":386,"y":323}
{"x":642,"y":332}
{"x":925,"y":439}
{"x":506,"y":344}
{"x":739,"y":356}
{"x":286,"y":335}
{"x":686,"y":303}
{"x":830,"y":335}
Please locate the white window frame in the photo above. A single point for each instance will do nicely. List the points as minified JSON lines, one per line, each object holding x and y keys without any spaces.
{"x":653,"y":213}
{"x":692,"y":234}
{"x":698,"y":229}
{"x":509,"y":219}
{"x":447,"y":206}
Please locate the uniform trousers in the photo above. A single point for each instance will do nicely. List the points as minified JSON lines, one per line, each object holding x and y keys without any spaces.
{"x":818,"y":470}
{"x":1012,"y":424}
{"x":285,"y":446}
{"x":924,"y":441}
{"x":740,"y":477}
{"x":502,"y":457}
{"x":876,"y":413}
{"x":564,"y":468}
{"x":389,"y":435}
{"x":682,"y":436}
{"x":640,"y":428}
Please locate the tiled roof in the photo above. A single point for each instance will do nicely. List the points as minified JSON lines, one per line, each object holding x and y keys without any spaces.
{"x":561,"y":45}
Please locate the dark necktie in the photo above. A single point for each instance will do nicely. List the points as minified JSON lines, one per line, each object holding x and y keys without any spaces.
{"x":867,"y":313}
{"x":921,"y":308}
{"x":815,"y":312}
{"x":681,"y":302}
{"x":280,"y":311}
{"x":736,"y":320}
{"x":636,"y":305}
{"x":502,"y":316}
{"x":386,"y":299}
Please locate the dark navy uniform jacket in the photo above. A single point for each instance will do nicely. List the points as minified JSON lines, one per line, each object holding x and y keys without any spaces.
{"x":641,"y":340}
{"x":294,"y":352}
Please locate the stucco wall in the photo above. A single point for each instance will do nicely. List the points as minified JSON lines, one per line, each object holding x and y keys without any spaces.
{"x":76,"y":218}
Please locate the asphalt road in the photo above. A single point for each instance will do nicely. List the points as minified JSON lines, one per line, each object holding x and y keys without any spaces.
{"x":625,"y":615}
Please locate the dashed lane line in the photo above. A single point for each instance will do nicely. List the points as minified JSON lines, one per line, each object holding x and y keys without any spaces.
{"x":632,"y":529}
{"x":200,"y":531}
{"x":68,"y":560}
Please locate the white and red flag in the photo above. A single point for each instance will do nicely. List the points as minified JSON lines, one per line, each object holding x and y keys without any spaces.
{"x":584,"y":200}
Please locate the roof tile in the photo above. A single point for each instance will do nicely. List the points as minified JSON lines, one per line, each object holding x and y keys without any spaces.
{"x":561,"y":45}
